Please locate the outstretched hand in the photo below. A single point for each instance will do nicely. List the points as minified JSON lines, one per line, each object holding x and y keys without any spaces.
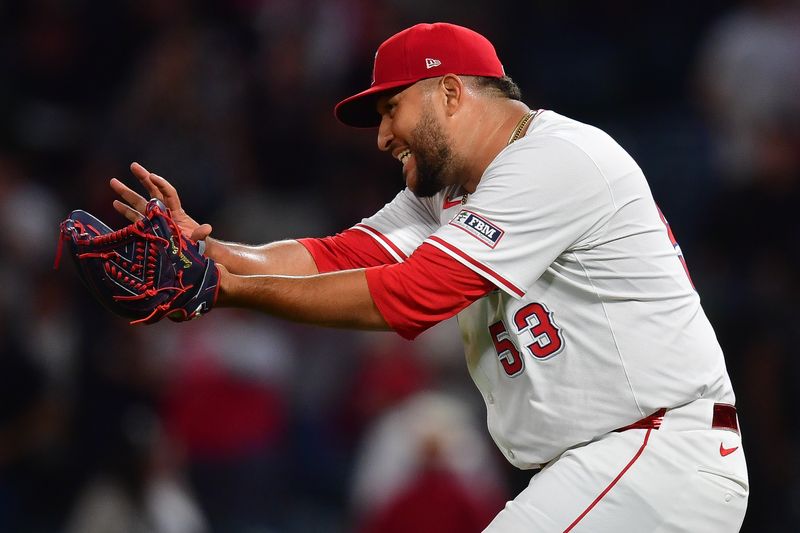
{"x":157,"y":187}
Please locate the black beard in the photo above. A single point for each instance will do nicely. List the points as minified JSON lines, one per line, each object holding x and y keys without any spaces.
{"x":433,"y":156}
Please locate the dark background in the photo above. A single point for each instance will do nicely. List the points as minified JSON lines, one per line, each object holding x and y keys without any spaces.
{"x":238,"y":422}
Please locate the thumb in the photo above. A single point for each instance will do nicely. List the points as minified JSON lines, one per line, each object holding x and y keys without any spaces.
{"x":201,"y":232}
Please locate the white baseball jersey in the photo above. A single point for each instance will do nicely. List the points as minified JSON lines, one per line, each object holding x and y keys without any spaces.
{"x":596,"y":323}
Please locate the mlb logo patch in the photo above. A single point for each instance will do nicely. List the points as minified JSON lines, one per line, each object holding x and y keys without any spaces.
{"x":477,"y":226}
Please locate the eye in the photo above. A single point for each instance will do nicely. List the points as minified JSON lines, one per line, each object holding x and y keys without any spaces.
{"x":391,"y":104}
{"x":385,"y":108}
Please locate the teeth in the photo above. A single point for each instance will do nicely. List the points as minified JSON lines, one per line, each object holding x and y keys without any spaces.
{"x":404,"y":155}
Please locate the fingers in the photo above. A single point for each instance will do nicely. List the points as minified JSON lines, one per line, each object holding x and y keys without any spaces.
{"x":134,"y":199}
{"x":127,"y":211}
{"x":144,"y":176}
{"x":157,"y":186}
{"x":167,"y":191}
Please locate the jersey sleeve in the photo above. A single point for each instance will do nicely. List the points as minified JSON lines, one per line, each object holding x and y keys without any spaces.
{"x":401,"y":225}
{"x":538,"y":199}
{"x":424,"y":290}
{"x":389,"y":236}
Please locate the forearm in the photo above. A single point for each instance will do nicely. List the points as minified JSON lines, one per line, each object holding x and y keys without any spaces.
{"x":289,"y":258}
{"x":337,"y":299}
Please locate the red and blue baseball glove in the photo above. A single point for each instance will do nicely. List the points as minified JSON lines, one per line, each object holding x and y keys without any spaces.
{"x":144,"y":271}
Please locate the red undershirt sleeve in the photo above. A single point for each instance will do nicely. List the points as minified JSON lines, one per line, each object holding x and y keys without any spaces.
{"x":429,"y":287}
{"x":346,"y":251}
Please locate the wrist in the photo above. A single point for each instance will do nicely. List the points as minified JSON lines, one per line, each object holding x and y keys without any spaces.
{"x":227,"y":287}
{"x":210,"y":248}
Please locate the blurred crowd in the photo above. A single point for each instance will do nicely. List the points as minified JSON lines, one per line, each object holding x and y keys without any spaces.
{"x":241,"y":423}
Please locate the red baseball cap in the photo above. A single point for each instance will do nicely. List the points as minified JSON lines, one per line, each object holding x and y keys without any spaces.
{"x":416,"y":53}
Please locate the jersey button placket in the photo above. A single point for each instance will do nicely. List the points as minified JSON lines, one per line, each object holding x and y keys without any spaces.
{"x":490,"y":398}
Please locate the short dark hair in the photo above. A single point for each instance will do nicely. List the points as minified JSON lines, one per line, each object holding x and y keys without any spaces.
{"x":504,"y":86}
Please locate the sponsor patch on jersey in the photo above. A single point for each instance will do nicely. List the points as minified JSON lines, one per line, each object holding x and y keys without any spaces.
{"x":478,"y":227}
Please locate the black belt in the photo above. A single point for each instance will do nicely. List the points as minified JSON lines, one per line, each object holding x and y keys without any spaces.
{"x":724,"y":417}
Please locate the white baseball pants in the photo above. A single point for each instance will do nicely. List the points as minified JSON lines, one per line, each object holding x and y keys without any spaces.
{"x":682,"y":477}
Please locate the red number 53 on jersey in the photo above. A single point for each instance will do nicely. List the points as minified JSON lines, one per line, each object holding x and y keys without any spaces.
{"x":546,"y":335}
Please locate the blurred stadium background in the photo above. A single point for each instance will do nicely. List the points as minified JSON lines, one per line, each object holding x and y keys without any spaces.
{"x":240,"y":423}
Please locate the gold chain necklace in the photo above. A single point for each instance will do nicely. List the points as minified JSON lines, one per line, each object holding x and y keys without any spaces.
{"x":515,"y":135}
{"x":520,"y":126}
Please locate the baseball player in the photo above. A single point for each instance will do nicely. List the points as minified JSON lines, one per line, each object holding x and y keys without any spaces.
{"x":582,"y":329}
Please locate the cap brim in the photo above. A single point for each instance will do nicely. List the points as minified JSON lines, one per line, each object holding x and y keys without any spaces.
{"x":360,"y":110}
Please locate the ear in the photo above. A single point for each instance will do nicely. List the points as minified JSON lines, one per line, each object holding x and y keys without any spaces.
{"x":453,"y":90}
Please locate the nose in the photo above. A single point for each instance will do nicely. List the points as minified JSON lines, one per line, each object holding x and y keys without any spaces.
{"x":385,"y":136}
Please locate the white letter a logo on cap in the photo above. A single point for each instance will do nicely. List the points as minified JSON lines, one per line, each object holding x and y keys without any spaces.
{"x":430,"y":63}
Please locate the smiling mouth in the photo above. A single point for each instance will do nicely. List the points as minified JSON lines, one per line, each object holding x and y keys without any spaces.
{"x":404,"y":155}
